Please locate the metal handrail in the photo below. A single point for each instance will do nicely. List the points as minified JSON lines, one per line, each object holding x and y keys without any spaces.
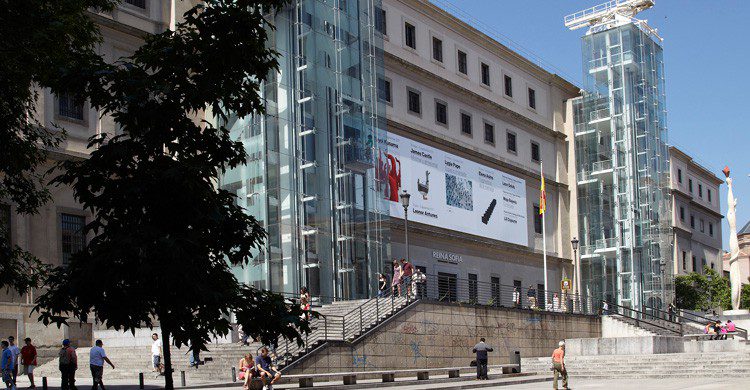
{"x":643,"y":314}
{"x":686,"y":316}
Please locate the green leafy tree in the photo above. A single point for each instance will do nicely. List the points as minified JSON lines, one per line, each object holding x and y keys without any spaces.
{"x":696,"y":291}
{"x":42,"y":39}
{"x":164,"y":235}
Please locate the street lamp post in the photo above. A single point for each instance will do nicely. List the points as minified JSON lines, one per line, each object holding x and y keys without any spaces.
{"x":577,"y":271}
{"x":405,"y":202}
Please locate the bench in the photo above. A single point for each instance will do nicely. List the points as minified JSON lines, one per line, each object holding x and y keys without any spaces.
{"x":350,"y":378}
{"x":708,"y":336}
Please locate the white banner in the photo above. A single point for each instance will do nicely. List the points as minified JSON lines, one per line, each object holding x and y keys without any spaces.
{"x":452,"y":192}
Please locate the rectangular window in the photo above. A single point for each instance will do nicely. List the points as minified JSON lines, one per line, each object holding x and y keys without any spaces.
{"x":511,"y":142}
{"x":695,"y":264}
{"x":72,"y":235}
{"x":437,"y":49}
{"x":465,"y":123}
{"x":535,"y":151}
{"x":508,"y":86}
{"x":5,"y":223}
{"x":495,"y":287}
{"x":415,"y":103}
{"x":537,"y":220}
{"x":700,"y":190}
{"x":69,"y":106}
{"x":532,"y":98}
{"x":410,"y":35}
{"x":384,"y":90}
{"x":137,"y":3}
{"x":709,"y":194}
{"x":462,"y":62}
{"x":679,"y":175}
{"x":473,"y":288}
{"x":485,"y":74}
{"x":380,"y":23}
{"x":703,"y":226}
{"x":447,"y":290}
{"x":692,"y":222}
{"x":682,"y":213}
{"x":684,"y":261}
{"x":441,"y":112}
{"x":690,"y":185}
{"x":711,"y":229}
{"x":489,"y":133}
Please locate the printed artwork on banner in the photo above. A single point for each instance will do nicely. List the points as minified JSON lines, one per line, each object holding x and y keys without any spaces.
{"x":452,"y":192}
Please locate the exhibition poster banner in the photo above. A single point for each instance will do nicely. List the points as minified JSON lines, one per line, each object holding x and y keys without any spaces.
{"x":452,"y":192}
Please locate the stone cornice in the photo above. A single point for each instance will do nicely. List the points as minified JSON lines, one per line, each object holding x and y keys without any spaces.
{"x":488,"y":43}
{"x":117,"y":26}
{"x":706,"y":209}
{"x":475,"y":155}
{"x":705,"y":173}
{"x":410,"y":70}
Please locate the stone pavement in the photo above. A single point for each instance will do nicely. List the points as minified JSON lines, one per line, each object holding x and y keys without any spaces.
{"x":643,"y":384}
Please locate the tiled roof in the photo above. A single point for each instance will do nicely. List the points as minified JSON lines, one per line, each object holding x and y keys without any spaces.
{"x":745,"y":229}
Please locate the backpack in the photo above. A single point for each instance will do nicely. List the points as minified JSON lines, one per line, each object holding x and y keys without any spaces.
{"x":64,"y":357}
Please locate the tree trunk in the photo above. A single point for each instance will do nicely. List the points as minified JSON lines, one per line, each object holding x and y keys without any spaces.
{"x":165,"y":336}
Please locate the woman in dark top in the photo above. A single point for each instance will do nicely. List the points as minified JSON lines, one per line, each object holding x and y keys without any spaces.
{"x":382,"y":285}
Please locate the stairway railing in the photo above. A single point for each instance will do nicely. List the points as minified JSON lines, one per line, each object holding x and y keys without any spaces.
{"x":642,"y":317}
{"x":682,"y":316}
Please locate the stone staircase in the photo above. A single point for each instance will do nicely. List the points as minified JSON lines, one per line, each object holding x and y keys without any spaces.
{"x":337,"y":322}
{"x":677,"y":365}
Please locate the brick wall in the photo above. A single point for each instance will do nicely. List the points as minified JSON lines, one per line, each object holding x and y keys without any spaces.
{"x":442,"y":335}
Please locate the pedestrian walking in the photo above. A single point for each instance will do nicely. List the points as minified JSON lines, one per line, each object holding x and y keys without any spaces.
{"x":418,"y":280}
{"x":156,"y":354}
{"x":304,"y":302}
{"x":516,"y":297}
{"x":7,"y":366}
{"x":481,"y":350}
{"x":558,"y":365}
{"x":396,"y":281}
{"x":531,"y":295}
{"x":407,"y":270}
{"x":97,"y":357}
{"x":28,"y":359}
{"x":68,"y":363}
{"x":16,"y":353}
{"x":382,"y":284}
{"x":555,"y":302}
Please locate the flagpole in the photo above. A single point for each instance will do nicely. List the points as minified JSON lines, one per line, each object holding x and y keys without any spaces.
{"x":544,"y":236}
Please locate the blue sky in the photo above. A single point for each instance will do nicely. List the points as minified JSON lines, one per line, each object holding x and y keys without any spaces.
{"x":706,"y":55}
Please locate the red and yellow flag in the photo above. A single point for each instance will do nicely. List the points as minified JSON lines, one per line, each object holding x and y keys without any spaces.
{"x":542,"y":198}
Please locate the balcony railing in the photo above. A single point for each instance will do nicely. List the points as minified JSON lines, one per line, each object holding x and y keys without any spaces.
{"x":601,"y":165}
{"x":606,"y":243}
{"x":602,"y":113}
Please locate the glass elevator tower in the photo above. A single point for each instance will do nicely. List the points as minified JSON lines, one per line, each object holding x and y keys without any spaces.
{"x":621,"y":158}
{"x":310,"y":178}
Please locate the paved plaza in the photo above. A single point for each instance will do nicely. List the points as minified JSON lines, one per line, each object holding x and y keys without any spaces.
{"x":646,"y":384}
{"x":576,"y":384}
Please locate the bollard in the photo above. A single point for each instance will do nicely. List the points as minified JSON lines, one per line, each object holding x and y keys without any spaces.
{"x":44,"y":383}
{"x":182,"y":378}
{"x":234,"y":374}
{"x":140,"y":380}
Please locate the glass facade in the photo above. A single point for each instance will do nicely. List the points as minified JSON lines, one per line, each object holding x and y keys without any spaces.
{"x":623,"y":170}
{"x":310,"y":177}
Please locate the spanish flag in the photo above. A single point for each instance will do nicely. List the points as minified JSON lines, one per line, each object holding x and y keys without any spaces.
{"x":542,"y":198}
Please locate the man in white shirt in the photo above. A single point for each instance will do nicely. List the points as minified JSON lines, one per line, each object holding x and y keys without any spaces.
{"x":97,"y":357}
{"x":156,"y":354}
